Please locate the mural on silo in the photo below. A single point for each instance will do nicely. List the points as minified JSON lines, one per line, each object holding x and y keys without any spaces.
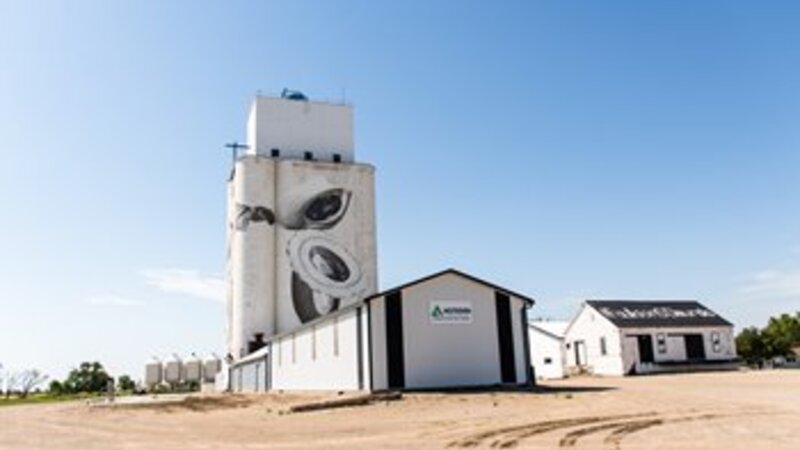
{"x":301,"y":245}
{"x":246,"y":214}
{"x":325,"y":240}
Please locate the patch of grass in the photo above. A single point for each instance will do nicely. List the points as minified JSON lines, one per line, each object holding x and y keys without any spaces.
{"x":34,"y":399}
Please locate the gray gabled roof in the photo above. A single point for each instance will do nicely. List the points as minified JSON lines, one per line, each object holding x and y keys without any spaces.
{"x":529,"y":300}
{"x":657,"y":313}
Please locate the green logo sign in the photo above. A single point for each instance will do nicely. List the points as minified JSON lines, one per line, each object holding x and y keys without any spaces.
{"x":458,"y":312}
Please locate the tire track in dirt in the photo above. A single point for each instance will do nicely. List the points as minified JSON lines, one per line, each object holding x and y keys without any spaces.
{"x":507,"y":437}
{"x":515,"y":438}
{"x":620,"y":427}
{"x":571,"y":438}
{"x":615,"y":438}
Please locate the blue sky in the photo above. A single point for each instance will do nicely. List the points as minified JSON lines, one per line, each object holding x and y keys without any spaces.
{"x":564,"y":149}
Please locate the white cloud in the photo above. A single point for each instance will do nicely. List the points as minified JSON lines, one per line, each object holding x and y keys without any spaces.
{"x":774,"y":283}
{"x":112,"y":300}
{"x":187,"y":282}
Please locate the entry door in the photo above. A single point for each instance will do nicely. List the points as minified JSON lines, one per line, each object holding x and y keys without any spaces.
{"x":645,"y":342}
{"x":694,"y":346}
{"x":580,"y":353}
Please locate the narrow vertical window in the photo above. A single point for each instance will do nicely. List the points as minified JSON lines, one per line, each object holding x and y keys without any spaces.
{"x":661,"y":343}
{"x":603,"y":350}
{"x":336,"y":336}
{"x":313,"y":342}
{"x":715,"y":340}
{"x":294,"y":348}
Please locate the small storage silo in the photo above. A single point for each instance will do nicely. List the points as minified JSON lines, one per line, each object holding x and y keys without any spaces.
{"x":211,"y":367}
{"x":173,"y":370}
{"x":153,"y":373}
{"x":193,"y":369}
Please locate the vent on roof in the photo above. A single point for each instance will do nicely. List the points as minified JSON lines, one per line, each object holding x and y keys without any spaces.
{"x":293,"y":95}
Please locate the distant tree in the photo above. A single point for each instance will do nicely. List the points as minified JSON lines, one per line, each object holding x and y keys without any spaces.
{"x":56,"y":388}
{"x":125,"y":383}
{"x":750,"y":345}
{"x":782,"y":334}
{"x":29,"y":380}
{"x":88,"y":377}
{"x":10,"y":382}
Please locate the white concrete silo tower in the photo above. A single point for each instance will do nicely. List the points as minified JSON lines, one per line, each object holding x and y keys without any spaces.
{"x":301,"y":220}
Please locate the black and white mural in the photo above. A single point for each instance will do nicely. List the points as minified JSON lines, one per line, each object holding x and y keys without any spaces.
{"x":301,"y":245}
{"x":326,"y":240}
{"x":323,"y":270}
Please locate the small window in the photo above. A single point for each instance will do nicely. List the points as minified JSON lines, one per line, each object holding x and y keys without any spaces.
{"x":275,"y":153}
{"x":661,"y":343}
{"x":548,"y":360}
{"x":603,"y":349}
{"x":309,"y":156}
{"x":337,"y":158}
{"x":715,"y":340}
{"x":569,"y":345}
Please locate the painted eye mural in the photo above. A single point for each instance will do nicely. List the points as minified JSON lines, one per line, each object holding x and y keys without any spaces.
{"x":323,"y":273}
{"x":328,"y":263}
{"x":321,"y":212}
{"x":305,"y":250}
{"x":327,"y":208}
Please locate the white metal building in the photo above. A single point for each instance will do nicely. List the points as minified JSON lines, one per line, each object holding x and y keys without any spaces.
{"x":446,"y":330}
{"x":612,"y":337}
{"x":548,"y":353}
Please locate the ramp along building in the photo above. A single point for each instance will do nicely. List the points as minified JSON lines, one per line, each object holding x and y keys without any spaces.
{"x":446,"y":330}
{"x":615,"y":337}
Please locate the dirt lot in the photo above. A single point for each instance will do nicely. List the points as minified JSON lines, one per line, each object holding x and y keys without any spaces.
{"x":745,"y":410}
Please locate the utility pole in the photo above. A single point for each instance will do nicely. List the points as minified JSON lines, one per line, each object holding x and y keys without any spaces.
{"x":235,"y":147}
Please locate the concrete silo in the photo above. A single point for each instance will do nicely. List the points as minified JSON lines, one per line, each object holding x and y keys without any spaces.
{"x":251,"y":262}
{"x":301,"y":220}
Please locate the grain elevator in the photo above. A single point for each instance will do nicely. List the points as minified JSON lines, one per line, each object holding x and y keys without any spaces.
{"x":300,"y":221}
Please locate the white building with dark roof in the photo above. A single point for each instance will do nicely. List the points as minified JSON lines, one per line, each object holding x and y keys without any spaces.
{"x":615,"y":337}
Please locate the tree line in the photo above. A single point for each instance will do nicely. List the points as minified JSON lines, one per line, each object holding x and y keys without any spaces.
{"x":87,"y":378}
{"x":778,"y":339}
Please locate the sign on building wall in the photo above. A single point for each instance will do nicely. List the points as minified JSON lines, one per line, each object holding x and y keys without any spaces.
{"x":450,"y":312}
